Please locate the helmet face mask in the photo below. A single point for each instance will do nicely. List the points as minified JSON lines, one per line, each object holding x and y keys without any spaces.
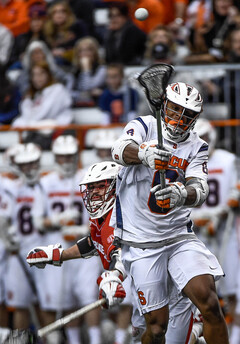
{"x":30,"y":171}
{"x":99,"y":197}
{"x":178,"y":121}
{"x":181,"y":110}
{"x":67,"y":164}
{"x":98,"y":188}
{"x":65,"y":149}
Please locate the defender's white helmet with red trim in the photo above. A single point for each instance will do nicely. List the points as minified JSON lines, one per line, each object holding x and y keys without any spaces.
{"x":207,"y":132}
{"x":27,"y":160}
{"x":105,"y":172}
{"x":65,"y":149}
{"x":177,"y":124}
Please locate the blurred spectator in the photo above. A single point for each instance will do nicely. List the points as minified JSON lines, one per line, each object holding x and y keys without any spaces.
{"x":174,"y":12}
{"x":156,"y":12}
{"x":232,"y":47}
{"x":83,"y":10}
{"x":9,"y":99}
{"x":118,"y":101}
{"x":62,"y":30}
{"x":14,"y":15}
{"x":45,"y":100}
{"x":89,"y":72}
{"x":124,"y":43}
{"x":161,"y":47}
{"x":216,"y":88}
{"x":36,"y":52}
{"x":6,"y":42}
{"x":208,"y":39}
{"x":37,"y":15}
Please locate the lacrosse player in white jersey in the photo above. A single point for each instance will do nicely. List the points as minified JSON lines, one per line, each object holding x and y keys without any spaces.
{"x":60,"y":214}
{"x":21,"y":282}
{"x":153,"y":227}
{"x":6,"y":242}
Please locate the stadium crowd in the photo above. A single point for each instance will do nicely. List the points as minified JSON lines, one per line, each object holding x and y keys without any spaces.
{"x":58,"y":57}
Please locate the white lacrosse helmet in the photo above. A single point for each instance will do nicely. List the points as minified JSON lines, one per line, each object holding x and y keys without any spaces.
{"x":177,"y":124}
{"x":9,"y":155}
{"x":207,"y":132}
{"x":27,"y":160}
{"x":105,"y":172}
{"x":103,"y":143}
{"x":65,"y":149}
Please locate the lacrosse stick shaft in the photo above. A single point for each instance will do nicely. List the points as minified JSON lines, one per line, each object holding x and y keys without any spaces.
{"x":160,"y":145}
{"x":65,"y":320}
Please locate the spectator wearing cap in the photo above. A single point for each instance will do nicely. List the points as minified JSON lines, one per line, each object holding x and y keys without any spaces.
{"x":37,"y":15}
{"x":14,"y":15}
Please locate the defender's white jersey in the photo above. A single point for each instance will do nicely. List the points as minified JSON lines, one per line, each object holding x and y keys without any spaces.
{"x":21,"y":216}
{"x":136,"y":214}
{"x":61,"y":194}
{"x":222,"y":177}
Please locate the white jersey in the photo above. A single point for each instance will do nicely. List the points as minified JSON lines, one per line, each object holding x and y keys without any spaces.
{"x":222,"y":177}
{"x":21,"y":216}
{"x":136,"y":214}
{"x":61,"y":194}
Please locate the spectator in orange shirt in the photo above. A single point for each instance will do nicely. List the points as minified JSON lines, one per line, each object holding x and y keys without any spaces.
{"x":14,"y":15}
{"x":155,"y":9}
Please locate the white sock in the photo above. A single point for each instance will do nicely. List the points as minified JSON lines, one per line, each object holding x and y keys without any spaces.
{"x":120,"y":335}
{"x":73,"y":335}
{"x":94,"y":335}
{"x":235,"y":335}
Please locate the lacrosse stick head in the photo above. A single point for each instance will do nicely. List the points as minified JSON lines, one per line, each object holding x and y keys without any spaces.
{"x":154,"y":80}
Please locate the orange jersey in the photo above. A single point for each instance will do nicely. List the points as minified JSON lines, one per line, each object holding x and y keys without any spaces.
{"x":14,"y":15}
{"x":102,"y":238}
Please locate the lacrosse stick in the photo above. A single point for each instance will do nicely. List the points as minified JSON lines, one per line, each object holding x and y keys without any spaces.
{"x":65,"y":320}
{"x":155,"y":79}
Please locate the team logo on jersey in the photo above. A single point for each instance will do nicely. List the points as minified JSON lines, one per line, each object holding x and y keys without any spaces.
{"x":178,"y":162}
{"x":130,"y":132}
{"x":174,"y":146}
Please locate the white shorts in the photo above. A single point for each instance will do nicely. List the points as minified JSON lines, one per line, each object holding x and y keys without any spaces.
{"x":80,"y":282}
{"x":154,"y":270}
{"x":19,"y":292}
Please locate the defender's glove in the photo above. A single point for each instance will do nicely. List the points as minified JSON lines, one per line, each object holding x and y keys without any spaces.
{"x":151,"y":156}
{"x":111,"y":288}
{"x":42,"y":255}
{"x":173,"y":195}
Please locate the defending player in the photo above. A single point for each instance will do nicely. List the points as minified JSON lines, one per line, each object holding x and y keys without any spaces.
{"x":22,"y":295}
{"x":99,"y":197}
{"x":152,"y":223}
{"x":59,"y":213}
